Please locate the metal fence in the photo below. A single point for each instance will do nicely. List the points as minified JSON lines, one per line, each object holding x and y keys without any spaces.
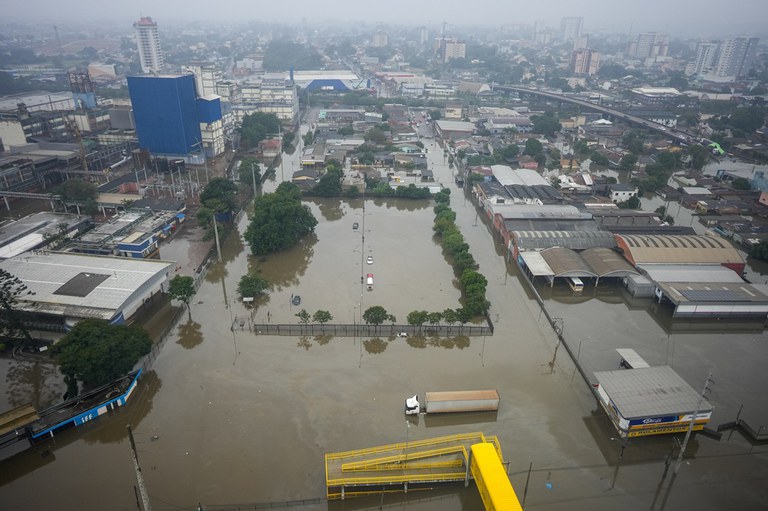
{"x":363,"y":330}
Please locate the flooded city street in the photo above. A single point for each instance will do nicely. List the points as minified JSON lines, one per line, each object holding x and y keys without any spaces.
{"x":228,"y":416}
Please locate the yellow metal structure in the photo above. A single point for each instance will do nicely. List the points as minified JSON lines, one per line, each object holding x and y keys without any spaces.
{"x":419,"y":464}
{"x":492,"y":480}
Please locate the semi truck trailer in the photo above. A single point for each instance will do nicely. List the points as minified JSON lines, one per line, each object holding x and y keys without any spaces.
{"x":454,"y":402}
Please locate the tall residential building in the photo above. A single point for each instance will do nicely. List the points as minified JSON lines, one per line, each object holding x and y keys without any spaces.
{"x":206,"y":77}
{"x":570,"y":28}
{"x":448,"y":48}
{"x":149,"y":45}
{"x":380,"y":39}
{"x":649,"y":45}
{"x":423,"y":35}
{"x":273,"y":94}
{"x":706,"y":58}
{"x":736,"y":56}
{"x":581,"y":42}
{"x":172,"y":120}
{"x":585,"y":62}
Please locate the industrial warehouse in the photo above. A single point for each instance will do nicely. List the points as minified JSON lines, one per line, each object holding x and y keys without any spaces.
{"x":66,"y":288}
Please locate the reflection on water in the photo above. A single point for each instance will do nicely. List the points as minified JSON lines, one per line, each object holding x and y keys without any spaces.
{"x":331,"y":209}
{"x":112,"y":426}
{"x":441,"y":420}
{"x":608,"y":291}
{"x":190,"y":334}
{"x":758,"y":267}
{"x":39,"y":383}
{"x":105,"y":429}
{"x":283,"y":269}
{"x":450,"y":496}
{"x":375,"y":346}
{"x":403,"y":204}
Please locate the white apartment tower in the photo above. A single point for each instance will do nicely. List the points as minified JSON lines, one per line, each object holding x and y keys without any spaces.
{"x":585,"y":62}
{"x":736,"y":57}
{"x":380,"y":39}
{"x":454,"y":49}
{"x":570,"y":28}
{"x":207,"y":78}
{"x":149,"y":45}
{"x":724,"y":61}
{"x":706,"y":57}
{"x":649,"y":45}
{"x":423,"y":35}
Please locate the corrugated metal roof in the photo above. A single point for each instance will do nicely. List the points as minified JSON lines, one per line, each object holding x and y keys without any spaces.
{"x":508,"y":176}
{"x":536,"y":211}
{"x":575,"y":240}
{"x":44,"y":273}
{"x":567,"y":263}
{"x":650,"y":392}
{"x":690,"y":273}
{"x":680,"y":249}
{"x":607,"y":263}
{"x":723,"y":293}
{"x":536,"y":264}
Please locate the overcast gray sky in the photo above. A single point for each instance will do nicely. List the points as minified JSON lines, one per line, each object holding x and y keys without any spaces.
{"x":678,"y":17}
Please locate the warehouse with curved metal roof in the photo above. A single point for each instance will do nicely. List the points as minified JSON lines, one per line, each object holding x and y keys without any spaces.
{"x":682,"y":249}
{"x":560,"y":262}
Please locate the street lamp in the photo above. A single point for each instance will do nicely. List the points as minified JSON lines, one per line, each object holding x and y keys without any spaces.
{"x":578,"y":352}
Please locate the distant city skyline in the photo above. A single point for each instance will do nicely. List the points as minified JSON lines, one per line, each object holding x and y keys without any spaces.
{"x":676,"y":17}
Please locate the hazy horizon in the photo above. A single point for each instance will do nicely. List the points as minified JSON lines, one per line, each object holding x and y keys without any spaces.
{"x":676,"y":17}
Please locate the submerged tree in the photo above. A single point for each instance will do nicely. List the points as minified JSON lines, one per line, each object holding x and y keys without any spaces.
{"x":182,"y":288}
{"x":279,"y":220}
{"x":95,"y":352}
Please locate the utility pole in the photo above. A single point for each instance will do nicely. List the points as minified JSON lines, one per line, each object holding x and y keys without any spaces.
{"x":139,"y":477}
{"x":253,"y":175}
{"x":693,"y":421}
{"x":216,"y":235}
{"x":280,"y":136}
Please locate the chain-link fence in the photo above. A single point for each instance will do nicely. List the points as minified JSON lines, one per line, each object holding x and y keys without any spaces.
{"x":363,"y":330}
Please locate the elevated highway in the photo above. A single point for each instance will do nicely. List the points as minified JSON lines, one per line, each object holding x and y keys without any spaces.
{"x":675,"y":135}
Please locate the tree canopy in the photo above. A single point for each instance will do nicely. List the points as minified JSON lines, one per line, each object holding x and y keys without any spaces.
{"x":11,"y":287}
{"x":533,"y":147}
{"x":219,"y":195}
{"x":249,"y":171}
{"x":95,"y":352}
{"x":322,"y":316}
{"x":182,"y":288}
{"x":77,"y":190}
{"x":257,"y":126}
{"x":279,"y":220}
{"x":759,"y":251}
{"x":547,"y":124}
{"x":375,"y":315}
{"x":329,"y":184}
{"x":252,"y":285}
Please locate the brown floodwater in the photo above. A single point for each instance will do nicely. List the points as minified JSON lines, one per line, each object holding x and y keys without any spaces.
{"x":227,"y":416}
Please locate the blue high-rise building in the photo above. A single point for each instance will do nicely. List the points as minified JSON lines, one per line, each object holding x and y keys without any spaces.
{"x":168,"y":113}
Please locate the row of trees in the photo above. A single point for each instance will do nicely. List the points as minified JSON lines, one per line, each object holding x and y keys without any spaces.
{"x":448,"y":316}
{"x":320,"y":316}
{"x":473,"y":283}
